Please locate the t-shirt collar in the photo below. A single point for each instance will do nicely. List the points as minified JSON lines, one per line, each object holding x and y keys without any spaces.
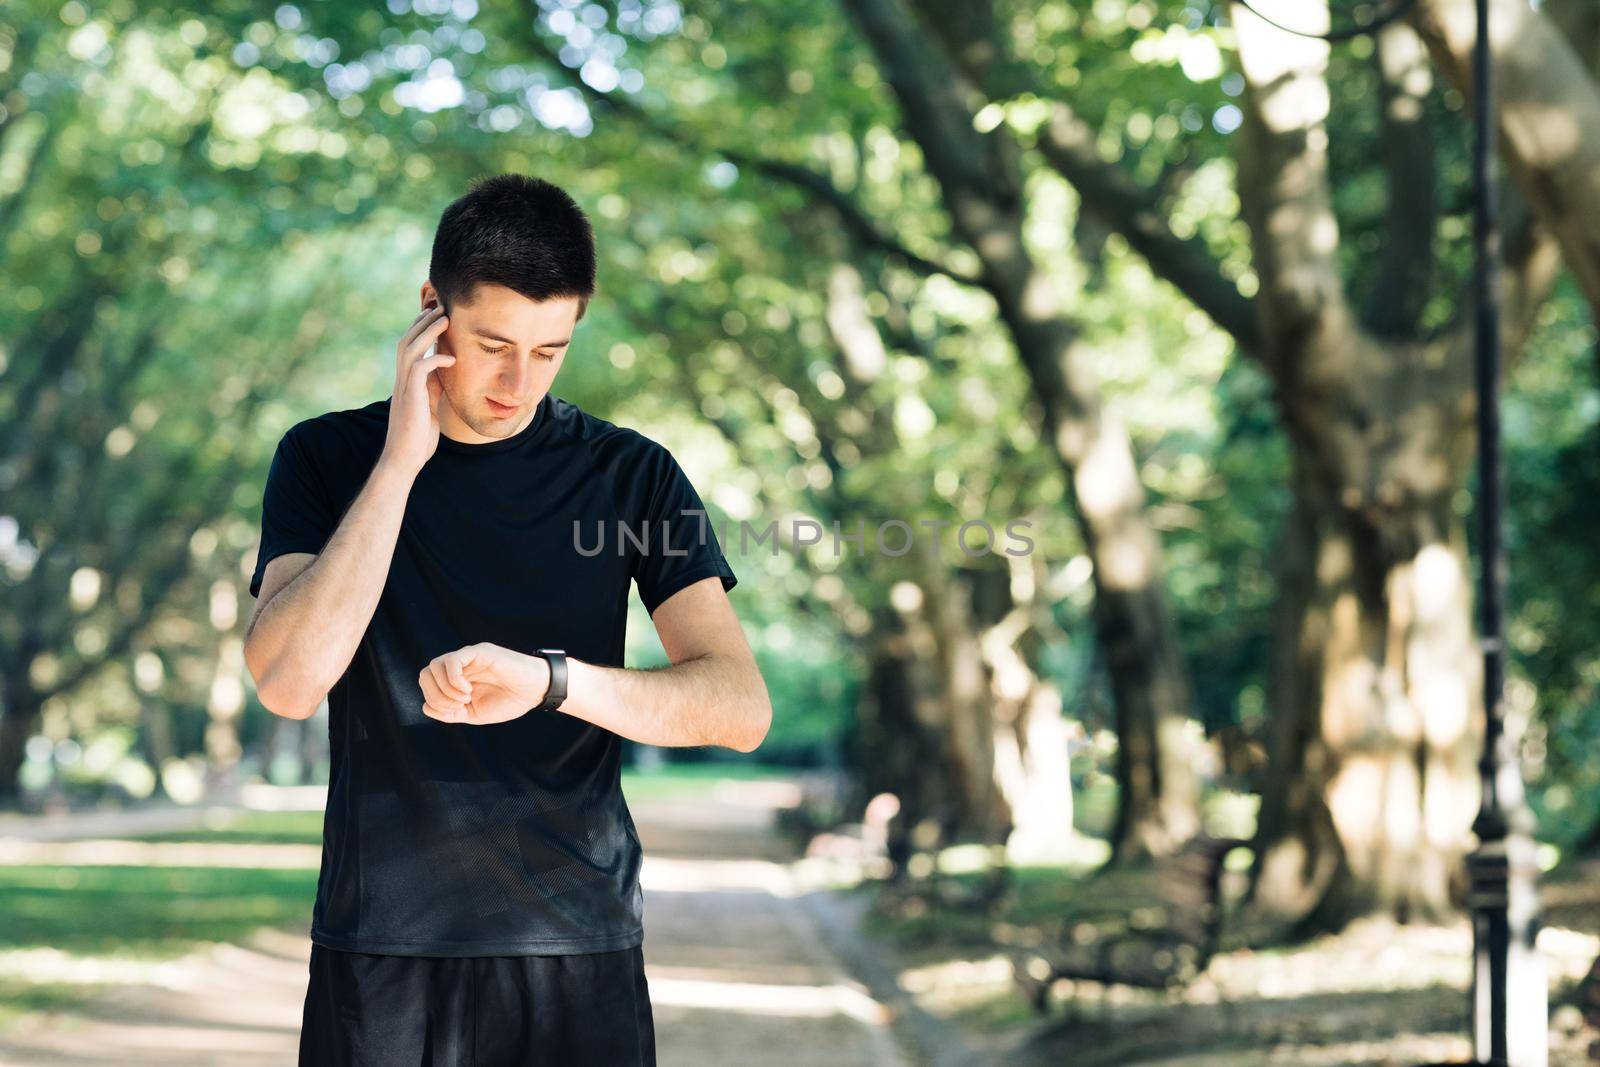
{"x":536,"y":426}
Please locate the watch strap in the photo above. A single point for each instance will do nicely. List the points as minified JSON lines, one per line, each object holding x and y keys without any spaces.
{"x":556,"y":692}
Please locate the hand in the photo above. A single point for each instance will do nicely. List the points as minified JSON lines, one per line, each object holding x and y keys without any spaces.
{"x":414,"y":408}
{"x":482,"y":684}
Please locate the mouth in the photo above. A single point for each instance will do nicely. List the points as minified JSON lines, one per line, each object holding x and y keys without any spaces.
{"x":497,"y":408}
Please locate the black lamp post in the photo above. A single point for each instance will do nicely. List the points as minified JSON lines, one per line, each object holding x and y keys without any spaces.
{"x":1509,"y":1000}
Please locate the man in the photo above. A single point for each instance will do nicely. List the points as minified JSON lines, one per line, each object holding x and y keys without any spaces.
{"x":420,"y":558}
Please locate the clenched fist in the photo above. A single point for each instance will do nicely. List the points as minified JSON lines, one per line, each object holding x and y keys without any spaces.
{"x":482,"y":684}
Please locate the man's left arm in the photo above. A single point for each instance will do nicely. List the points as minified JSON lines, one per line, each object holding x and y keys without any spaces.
{"x":711,"y":694}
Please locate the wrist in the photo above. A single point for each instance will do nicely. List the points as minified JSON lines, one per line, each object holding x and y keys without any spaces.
{"x":540,"y":688}
{"x":554,"y":662}
{"x":391,"y":469}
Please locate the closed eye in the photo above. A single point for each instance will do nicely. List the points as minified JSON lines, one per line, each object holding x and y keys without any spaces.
{"x":546,"y":356}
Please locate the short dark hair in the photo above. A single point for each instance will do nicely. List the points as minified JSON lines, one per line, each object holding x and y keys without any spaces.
{"x":517,"y":231}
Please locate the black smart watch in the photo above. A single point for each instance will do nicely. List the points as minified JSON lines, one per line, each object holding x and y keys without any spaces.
{"x":557,"y":691}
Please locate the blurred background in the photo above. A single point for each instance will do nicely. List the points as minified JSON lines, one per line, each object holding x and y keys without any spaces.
{"x":1150,"y":738}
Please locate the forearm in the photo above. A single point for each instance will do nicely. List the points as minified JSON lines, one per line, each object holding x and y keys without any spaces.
{"x":710,"y":700}
{"x":307,"y":634}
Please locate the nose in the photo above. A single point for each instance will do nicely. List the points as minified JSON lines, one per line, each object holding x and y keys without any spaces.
{"x":514,"y":383}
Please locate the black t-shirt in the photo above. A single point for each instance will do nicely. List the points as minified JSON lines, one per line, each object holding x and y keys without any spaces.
{"x":511,"y":839}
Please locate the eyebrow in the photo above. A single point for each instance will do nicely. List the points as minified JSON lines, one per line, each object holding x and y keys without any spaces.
{"x":508,"y":341}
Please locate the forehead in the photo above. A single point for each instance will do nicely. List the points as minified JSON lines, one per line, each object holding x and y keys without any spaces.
{"x":507,"y":313}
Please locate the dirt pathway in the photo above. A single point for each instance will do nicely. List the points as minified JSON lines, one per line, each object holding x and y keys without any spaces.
{"x":739,"y":971}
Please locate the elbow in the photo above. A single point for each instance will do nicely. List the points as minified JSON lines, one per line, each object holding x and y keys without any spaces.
{"x":282,"y":700}
{"x":289,"y":707}
{"x":289,"y":697}
{"x":760,"y":721}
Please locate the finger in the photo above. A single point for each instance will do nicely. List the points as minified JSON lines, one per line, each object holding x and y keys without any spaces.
{"x":431,"y":692}
{"x":422,"y":377}
{"x":420,"y":323}
{"x":435,"y":390}
{"x":458,"y":677}
{"x":481,"y":660}
{"x":443,"y":699}
{"x":421,"y":369}
{"x":412,"y":351}
{"x":428,"y":335}
{"x":435,"y":687}
{"x":449,"y":686}
{"x":405,"y":352}
{"x":454,"y":707}
{"x":443,"y":714}
{"x":432,"y":687}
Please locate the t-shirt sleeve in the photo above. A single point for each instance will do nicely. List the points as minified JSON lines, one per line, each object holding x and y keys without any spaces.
{"x":680,"y":544}
{"x":296,"y":515}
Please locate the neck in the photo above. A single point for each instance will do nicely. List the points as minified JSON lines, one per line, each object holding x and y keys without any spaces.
{"x":451,"y":425}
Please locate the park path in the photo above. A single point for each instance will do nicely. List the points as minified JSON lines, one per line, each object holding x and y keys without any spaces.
{"x":737,"y":958}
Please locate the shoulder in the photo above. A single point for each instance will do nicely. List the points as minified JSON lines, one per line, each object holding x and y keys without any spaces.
{"x":607,"y":442}
{"x":349,"y":428}
{"x":636,"y":468}
{"x":341,"y":446}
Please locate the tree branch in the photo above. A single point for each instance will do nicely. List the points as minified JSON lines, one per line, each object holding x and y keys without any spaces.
{"x":814,"y":185}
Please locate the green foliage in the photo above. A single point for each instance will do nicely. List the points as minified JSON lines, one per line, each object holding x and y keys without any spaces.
{"x":1553,"y":496}
{"x":217,"y":217}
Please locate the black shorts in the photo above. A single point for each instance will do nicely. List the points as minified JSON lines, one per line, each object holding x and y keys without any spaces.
{"x":477,"y":1011}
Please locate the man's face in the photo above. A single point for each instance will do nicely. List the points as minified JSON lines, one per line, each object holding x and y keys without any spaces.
{"x":508,"y":349}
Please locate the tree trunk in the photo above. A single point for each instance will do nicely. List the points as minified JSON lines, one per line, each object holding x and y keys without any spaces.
{"x":958,"y":743}
{"x":981,"y":181}
{"x":896,"y":749}
{"x":19,"y":715}
{"x":156,"y":739}
{"x":223,"y":708}
{"x":1371,"y":788}
{"x":15,"y":728}
{"x":946,"y":617}
{"x":1031,"y":756}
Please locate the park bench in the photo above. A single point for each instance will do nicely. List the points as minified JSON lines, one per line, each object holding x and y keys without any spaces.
{"x":1153,"y":926}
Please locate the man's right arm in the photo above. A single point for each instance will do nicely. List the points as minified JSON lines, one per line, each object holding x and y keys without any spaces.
{"x":314,"y":607}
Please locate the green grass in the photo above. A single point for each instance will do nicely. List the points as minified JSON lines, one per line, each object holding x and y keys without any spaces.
{"x":674,"y":781}
{"x":1000,"y":1012}
{"x":1039,"y":894}
{"x":162,"y":912}
{"x":252,"y":827}
{"x":1094,"y":806}
{"x":146,"y":912}
{"x":18,"y":996}
{"x":156,"y":913}
{"x":686,"y":781}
